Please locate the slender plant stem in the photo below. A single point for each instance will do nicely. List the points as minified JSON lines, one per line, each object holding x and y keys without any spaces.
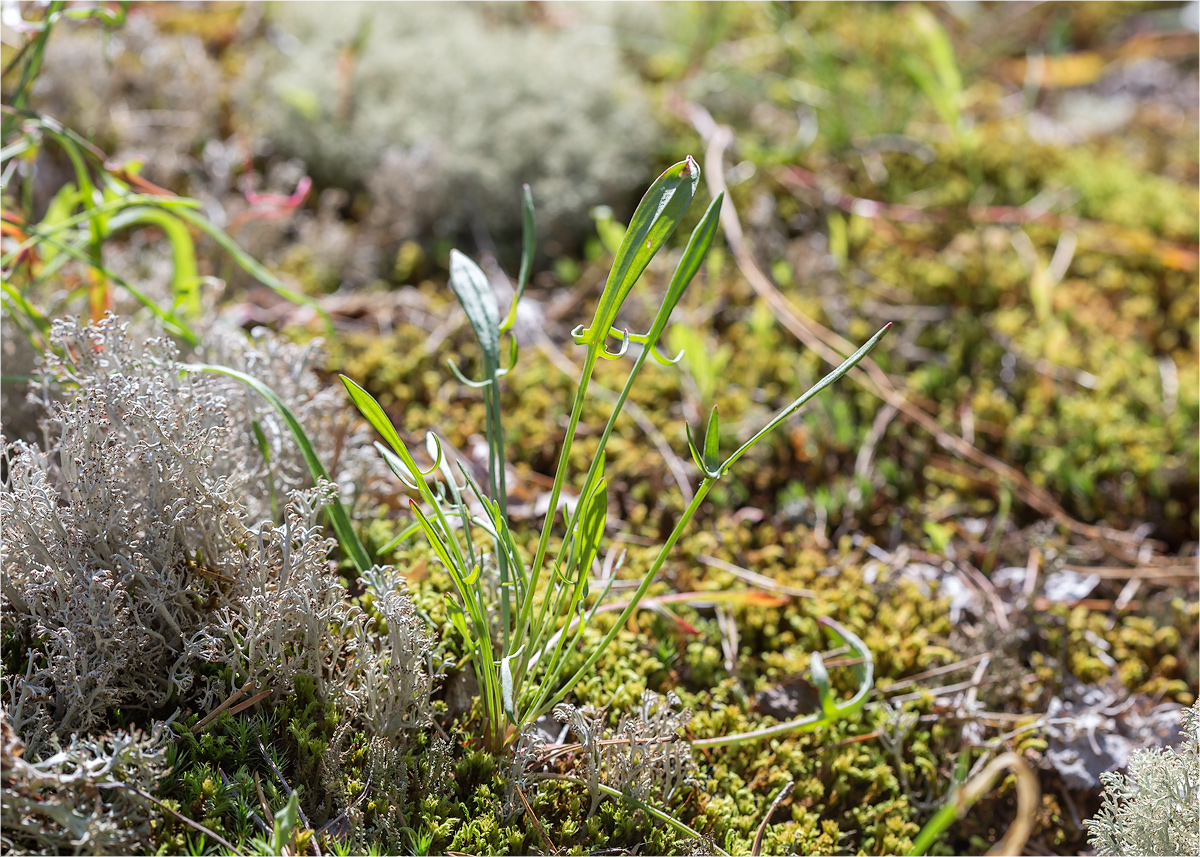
{"x":599,"y":648}
{"x":560,"y":475}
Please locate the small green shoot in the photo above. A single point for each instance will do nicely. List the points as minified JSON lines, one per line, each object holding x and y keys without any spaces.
{"x":520,"y":647}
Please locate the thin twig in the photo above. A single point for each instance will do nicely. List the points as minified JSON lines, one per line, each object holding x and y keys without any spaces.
{"x":756,"y":849}
{"x":1146,"y":572}
{"x":642,"y":805}
{"x":753,"y":577}
{"x":936,"y":671}
{"x":262,"y":799}
{"x":254,"y":816}
{"x":215,"y":837}
{"x":537,"y":824}
{"x":254,"y":700}
{"x":288,"y":790}
{"x":989,"y":592}
{"x":216,"y":712}
{"x":936,"y":691}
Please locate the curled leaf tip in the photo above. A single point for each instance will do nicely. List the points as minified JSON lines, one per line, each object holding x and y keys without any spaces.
{"x":691,"y":168}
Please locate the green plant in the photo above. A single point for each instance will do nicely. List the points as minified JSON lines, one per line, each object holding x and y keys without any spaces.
{"x":519,"y":659}
{"x":104,"y":202}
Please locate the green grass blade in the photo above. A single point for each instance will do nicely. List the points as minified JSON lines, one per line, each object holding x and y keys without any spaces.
{"x":693,"y":256}
{"x":712,"y":442}
{"x":850,"y":362}
{"x":185,"y":279}
{"x":865,"y":672}
{"x":338,"y":516}
{"x":248,"y":263}
{"x":529,"y":245}
{"x":173,"y":323}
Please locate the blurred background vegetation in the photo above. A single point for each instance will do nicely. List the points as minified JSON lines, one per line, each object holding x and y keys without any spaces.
{"x":1013,"y":185}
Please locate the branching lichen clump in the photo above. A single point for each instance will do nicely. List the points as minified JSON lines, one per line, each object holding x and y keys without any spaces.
{"x":1155,"y":807}
{"x":136,"y":579}
{"x":86,"y":791}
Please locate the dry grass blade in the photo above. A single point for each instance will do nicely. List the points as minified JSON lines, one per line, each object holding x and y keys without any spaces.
{"x":195,"y":825}
{"x":252,"y":701}
{"x":537,"y":824}
{"x":254,"y":816}
{"x":756,"y":579}
{"x":1029,"y":797}
{"x":1146,"y":572}
{"x":216,"y":712}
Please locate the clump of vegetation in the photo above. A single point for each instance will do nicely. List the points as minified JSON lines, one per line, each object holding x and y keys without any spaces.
{"x":521,"y":665}
{"x":137,"y":579}
{"x":89,"y":796}
{"x":441,"y":114}
{"x":851,"y":642}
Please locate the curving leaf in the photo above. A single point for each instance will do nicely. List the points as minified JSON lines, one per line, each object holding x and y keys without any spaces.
{"x":655,"y":219}
{"x":693,"y":255}
{"x":338,"y":516}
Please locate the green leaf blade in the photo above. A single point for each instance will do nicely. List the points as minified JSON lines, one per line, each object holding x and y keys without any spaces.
{"x":338,"y":516}
{"x":693,"y":256}
{"x":475,"y":294}
{"x":656,"y":217}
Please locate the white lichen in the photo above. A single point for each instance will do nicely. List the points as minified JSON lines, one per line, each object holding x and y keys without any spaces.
{"x":1154,"y":807}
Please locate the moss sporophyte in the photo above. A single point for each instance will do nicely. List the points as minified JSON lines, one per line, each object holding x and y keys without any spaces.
{"x":522,"y":619}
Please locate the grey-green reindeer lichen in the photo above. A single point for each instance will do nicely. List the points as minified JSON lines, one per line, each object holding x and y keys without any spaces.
{"x":444,"y":105}
{"x":1155,"y":807}
{"x":84,"y":797}
{"x":141,"y":554}
{"x":520,"y":649}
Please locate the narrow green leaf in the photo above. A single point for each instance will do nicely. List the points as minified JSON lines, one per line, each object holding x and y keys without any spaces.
{"x":62,"y":205}
{"x":457,"y":617}
{"x":178,"y":205}
{"x":712,"y":442}
{"x":864,"y":671}
{"x":528,"y":245}
{"x":506,"y":683}
{"x":850,"y":362}
{"x":185,"y":278}
{"x":655,"y":219}
{"x":244,"y":260}
{"x":406,"y":533}
{"x":439,"y":546}
{"x":693,"y":256}
{"x":592,"y":528}
{"x":474,"y":292}
{"x":696,"y":457}
{"x":172,"y":322}
{"x":397,"y":466}
{"x":338,"y":515}
{"x":374,"y":414}
{"x":285,"y":824}
{"x":261,"y":439}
